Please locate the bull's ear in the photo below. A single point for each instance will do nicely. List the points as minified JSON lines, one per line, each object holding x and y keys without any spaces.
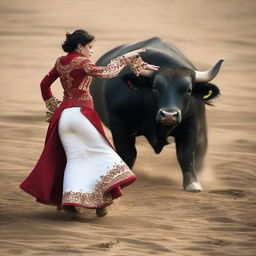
{"x":205,"y":91}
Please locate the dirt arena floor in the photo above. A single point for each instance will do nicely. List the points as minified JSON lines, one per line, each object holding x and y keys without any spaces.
{"x":155,"y":216}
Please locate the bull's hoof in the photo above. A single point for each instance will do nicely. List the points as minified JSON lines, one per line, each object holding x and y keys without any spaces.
{"x":193,"y":187}
{"x":102,"y":211}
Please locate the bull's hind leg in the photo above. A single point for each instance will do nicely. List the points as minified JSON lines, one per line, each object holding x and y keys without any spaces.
{"x":124,"y":143}
{"x":185,"y":147}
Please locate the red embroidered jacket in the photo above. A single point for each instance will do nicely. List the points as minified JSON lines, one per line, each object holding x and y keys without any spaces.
{"x":76,"y":73}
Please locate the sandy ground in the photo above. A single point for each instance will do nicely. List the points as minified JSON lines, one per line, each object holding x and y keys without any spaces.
{"x":154,"y":216}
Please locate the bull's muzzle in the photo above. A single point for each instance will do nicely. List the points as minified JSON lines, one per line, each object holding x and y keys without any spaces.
{"x":169,"y":117}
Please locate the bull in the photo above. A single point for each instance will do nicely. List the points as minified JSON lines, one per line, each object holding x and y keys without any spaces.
{"x":169,"y":102}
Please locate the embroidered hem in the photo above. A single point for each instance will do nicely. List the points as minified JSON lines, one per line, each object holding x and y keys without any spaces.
{"x":119,"y":176}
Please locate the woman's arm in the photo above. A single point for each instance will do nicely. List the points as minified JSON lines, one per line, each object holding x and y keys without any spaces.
{"x":130,"y":59}
{"x":50,"y":101}
{"x":47,"y":82}
{"x":109,"y":71}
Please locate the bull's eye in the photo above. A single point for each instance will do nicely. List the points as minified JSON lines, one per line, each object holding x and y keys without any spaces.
{"x":189,"y":91}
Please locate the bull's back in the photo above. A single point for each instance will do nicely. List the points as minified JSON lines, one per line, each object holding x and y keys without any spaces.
{"x":153,"y":46}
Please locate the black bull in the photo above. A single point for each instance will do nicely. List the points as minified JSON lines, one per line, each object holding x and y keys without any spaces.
{"x":171,"y":102}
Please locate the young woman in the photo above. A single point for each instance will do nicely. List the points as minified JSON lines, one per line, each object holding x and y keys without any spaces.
{"x":78,"y":166}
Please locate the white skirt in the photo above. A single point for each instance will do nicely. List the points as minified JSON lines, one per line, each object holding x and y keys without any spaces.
{"x":94,"y":173}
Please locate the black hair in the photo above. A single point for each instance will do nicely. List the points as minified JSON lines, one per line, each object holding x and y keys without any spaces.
{"x":79,"y":36}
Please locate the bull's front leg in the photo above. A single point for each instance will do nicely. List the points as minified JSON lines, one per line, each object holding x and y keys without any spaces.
{"x":124,"y":142}
{"x":125,"y":148}
{"x":185,"y":148}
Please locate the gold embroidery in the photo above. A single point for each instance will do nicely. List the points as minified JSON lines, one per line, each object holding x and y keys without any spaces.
{"x":51,"y":104}
{"x":116,"y":174}
{"x":137,"y":65}
{"x":64,"y":70}
{"x":82,"y":91}
{"x":85,"y":84}
{"x":111,"y":70}
{"x":77,"y":94}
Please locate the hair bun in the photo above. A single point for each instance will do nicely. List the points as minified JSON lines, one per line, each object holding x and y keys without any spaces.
{"x":67,"y":34}
{"x":80,"y":36}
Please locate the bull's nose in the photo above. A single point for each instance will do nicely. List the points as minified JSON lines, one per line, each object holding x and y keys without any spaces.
{"x":169,"y":117}
{"x":172,"y":115}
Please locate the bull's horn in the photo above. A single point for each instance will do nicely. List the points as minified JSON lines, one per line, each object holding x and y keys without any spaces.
{"x":207,"y":76}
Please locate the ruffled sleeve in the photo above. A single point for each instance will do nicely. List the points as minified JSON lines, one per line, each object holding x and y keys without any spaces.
{"x":109,"y":71}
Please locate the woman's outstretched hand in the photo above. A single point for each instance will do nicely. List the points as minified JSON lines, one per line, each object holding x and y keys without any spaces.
{"x":134,"y":53}
{"x":137,"y":65}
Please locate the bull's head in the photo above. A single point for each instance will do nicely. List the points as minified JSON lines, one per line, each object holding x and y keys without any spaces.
{"x":173,"y":88}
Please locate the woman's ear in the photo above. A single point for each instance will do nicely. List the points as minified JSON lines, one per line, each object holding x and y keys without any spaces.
{"x":205,"y":91}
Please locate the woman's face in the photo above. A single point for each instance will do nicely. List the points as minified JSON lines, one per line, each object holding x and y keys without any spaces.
{"x":86,"y":50}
